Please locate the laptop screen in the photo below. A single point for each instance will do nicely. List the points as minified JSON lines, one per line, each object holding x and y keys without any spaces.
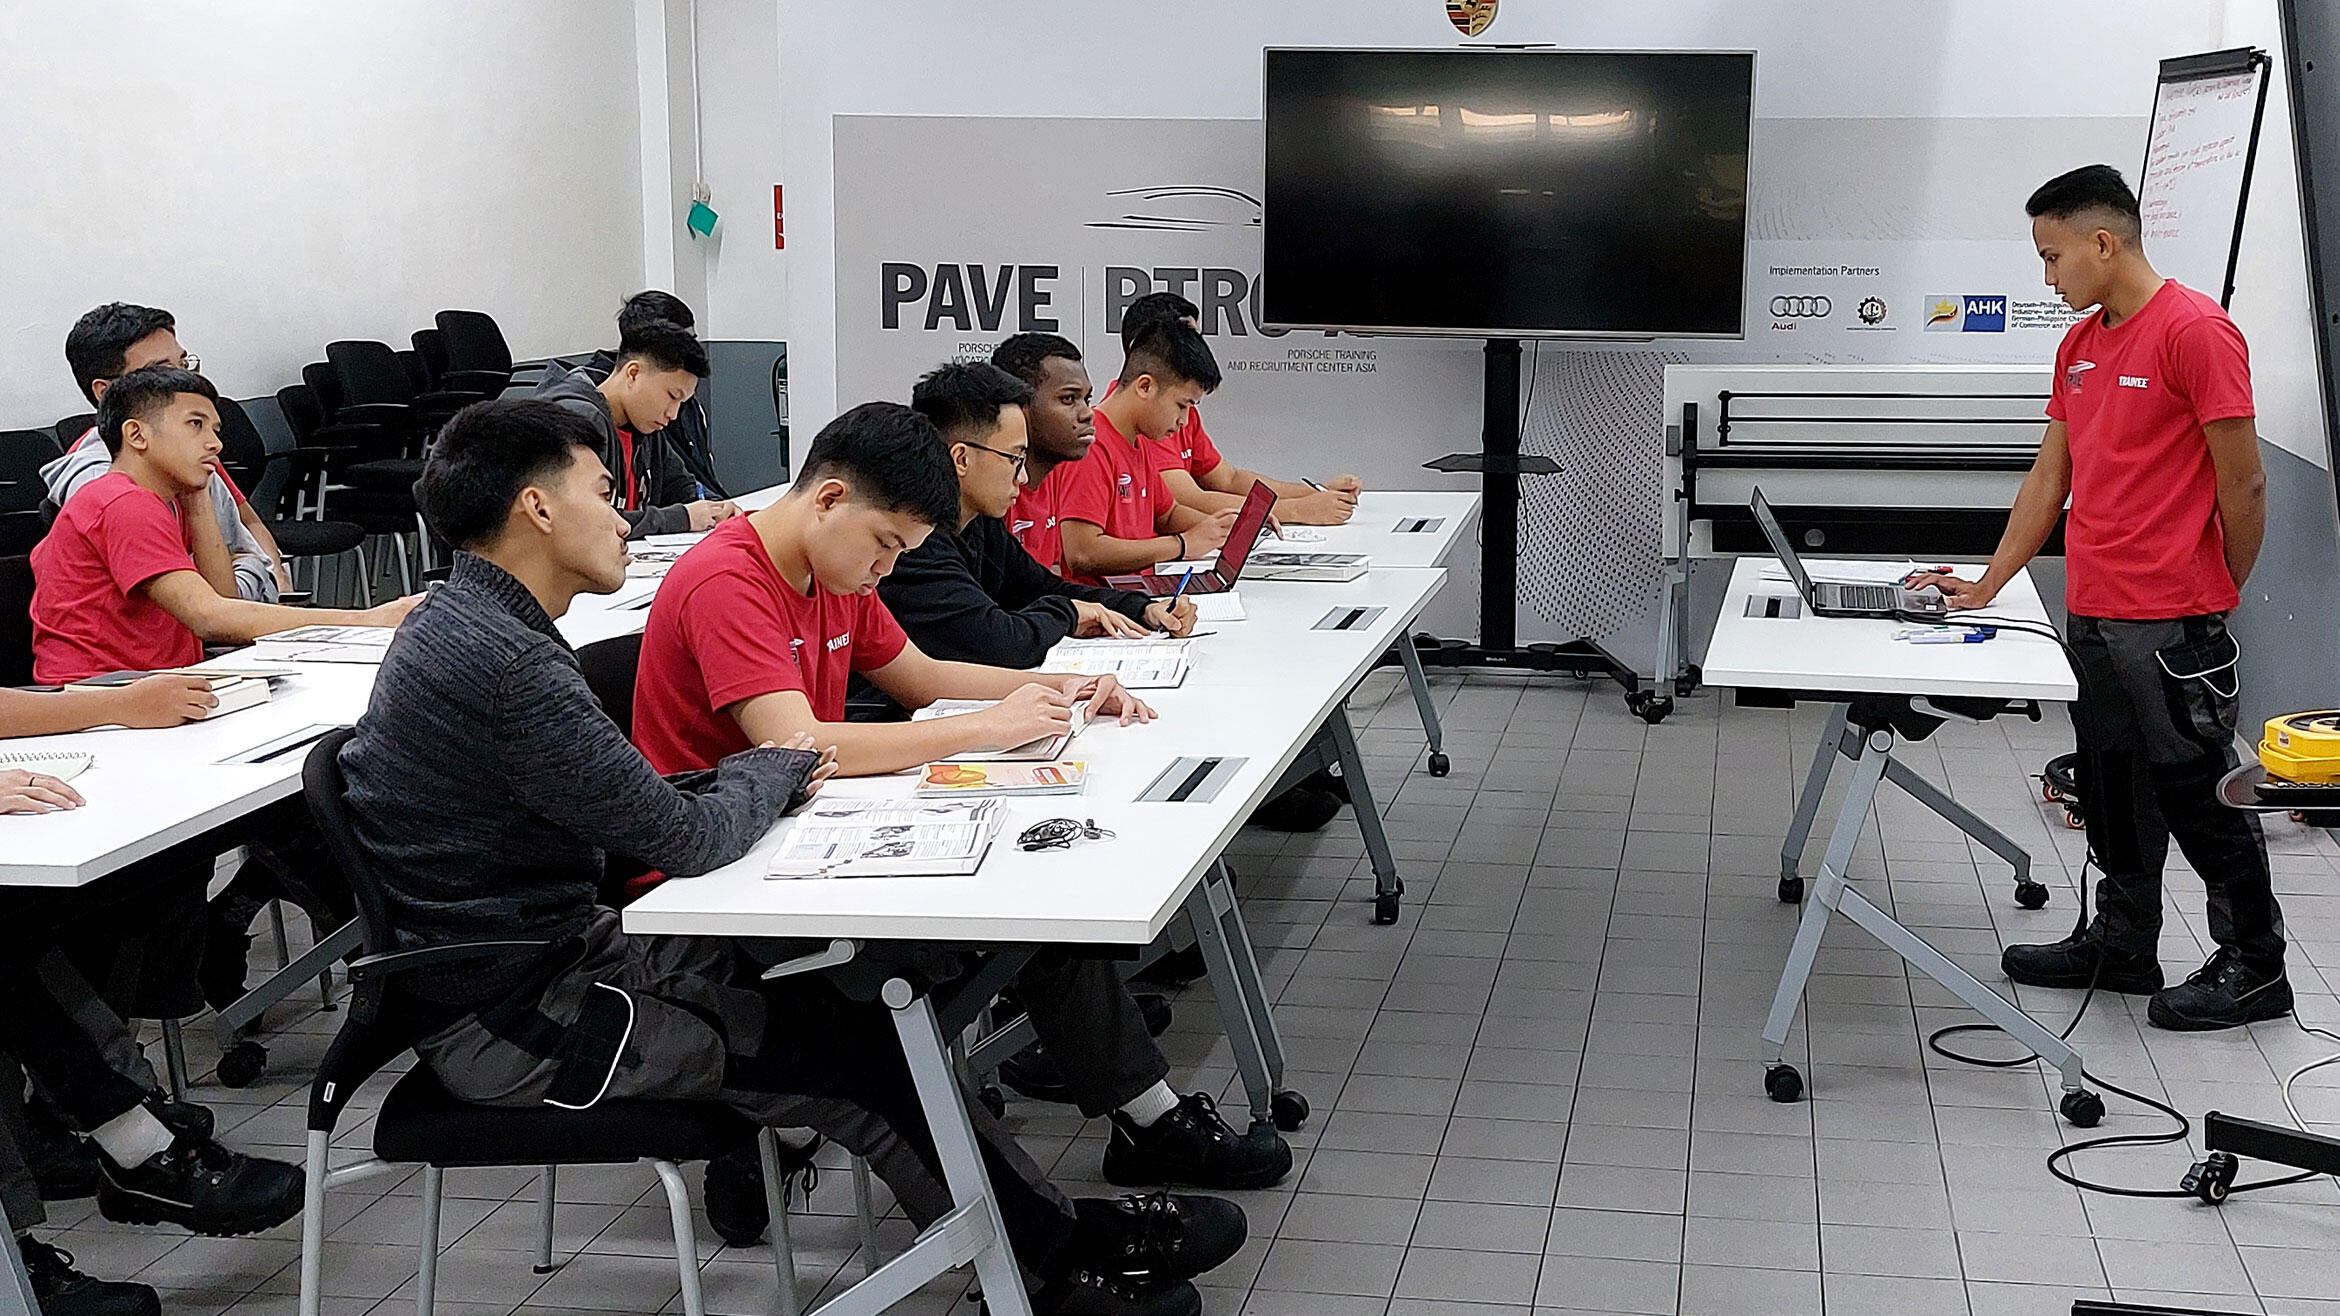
{"x":1781,"y":546}
{"x":1249,"y":521}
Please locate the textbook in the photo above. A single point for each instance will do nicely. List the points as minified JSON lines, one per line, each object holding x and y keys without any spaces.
{"x":236,"y":691}
{"x":887,"y":838}
{"x":63,"y":764}
{"x":1310,"y":566}
{"x":1032,"y":751}
{"x":988,"y":780}
{"x":328,"y":644}
{"x":1137,"y":664}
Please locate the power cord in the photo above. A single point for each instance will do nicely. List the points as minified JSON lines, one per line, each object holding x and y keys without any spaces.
{"x":2184,"y":1126}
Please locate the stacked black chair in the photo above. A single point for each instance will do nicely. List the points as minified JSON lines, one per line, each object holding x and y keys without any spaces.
{"x":70,"y":429}
{"x":271,"y":481}
{"x":477,"y":358}
{"x":322,"y":485}
{"x":420,"y":1122}
{"x":16,"y":630}
{"x":22,"y":455}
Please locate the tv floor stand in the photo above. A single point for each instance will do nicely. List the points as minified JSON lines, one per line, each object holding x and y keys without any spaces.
{"x":1500,"y":466}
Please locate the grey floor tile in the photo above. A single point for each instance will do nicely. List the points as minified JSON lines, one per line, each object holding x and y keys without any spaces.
{"x":1484,"y":1277}
{"x":1647,"y":1288}
{"x":1482,"y":1227}
{"x":1308,"y":1266}
{"x":1732,"y":1290}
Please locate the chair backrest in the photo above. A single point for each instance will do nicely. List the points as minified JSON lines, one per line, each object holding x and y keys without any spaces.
{"x":418,"y":371}
{"x":431,"y":346}
{"x":325,"y":787}
{"x":474,"y":342}
{"x":16,"y":630}
{"x":368,"y":373}
{"x":70,"y":429}
{"x":609,"y":667}
{"x":324,"y":390}
{"x":22,"y":455}
{"x":19,"y":531}
{"x":241,"y":449}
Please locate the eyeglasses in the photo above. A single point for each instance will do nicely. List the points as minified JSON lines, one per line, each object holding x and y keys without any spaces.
{"x":1017,"y":457}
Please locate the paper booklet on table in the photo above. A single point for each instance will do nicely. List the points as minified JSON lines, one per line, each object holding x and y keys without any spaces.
{"x":887,"y":838}
{"x":1219,"y":607}
{"x":377,"y":637}
{"x":1309,"y":566}
{"x":1032,"y":751}
{"x":1137,"y":664}
{"x":988,"y":780}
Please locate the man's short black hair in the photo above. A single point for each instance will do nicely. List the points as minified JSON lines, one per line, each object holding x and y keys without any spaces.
{"x":2096,"y":192}
{"x":98,"y":342}
{"x":663,"y":345}
{"x":485,"y":455}
{"x":141,"y":393}
{"x":1173,"y":353}
{"x":1155,"y":308}
{"x":1026,"y":355}
{"x":890,"y":455}
{"x":644,"y":307}
{"x":964,"y":398}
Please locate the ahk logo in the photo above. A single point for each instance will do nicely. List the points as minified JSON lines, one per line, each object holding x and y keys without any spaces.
{"x":1967,"y":314}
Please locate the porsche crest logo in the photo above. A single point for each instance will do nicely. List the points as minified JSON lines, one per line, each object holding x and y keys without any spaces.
{"x":1471,"y":17}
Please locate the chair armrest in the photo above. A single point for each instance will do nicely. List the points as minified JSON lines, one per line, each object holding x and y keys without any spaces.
{"x":370,"y":967}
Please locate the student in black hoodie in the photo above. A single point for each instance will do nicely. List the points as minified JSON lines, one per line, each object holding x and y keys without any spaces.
{"x":658,"y":367}
{"x":686,"y":438}
{"x":971,"y":593}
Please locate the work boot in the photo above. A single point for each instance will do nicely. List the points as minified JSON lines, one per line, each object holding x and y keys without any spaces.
{"x":65,"y":1165}
{"x":200,"y":1186}
{"x":2079,"y":961}
{"x":1191,"y":1145}
{"x":1091,"y":1293}
{"x":60,"y":1290}
{"x":1156,"y":1237}
{"x":2223,"y":993}
{"x":735,"y":1189}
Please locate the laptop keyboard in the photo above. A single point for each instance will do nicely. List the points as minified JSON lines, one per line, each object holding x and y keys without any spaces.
{"x":1868,"y":598}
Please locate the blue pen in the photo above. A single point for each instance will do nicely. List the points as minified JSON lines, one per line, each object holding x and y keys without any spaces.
{"x":1182,"y":583}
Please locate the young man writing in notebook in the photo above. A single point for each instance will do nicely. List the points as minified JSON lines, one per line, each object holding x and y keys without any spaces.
{"x":105,"y":345}
{"x":135,"y":575}
{"x":1198,"y":475}
{"x":487,"y":789}
{"x":1117,"y":516}
{"x":752,"y":637}
{"x":656,"y":372}
{"x":971,"y":593}
{"x":1062,"y":426}
{"x":2151,"y":437}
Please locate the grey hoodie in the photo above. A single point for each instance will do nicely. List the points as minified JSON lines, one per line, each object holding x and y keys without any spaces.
{"x":578,"y":391}
{"x":255,"y":576}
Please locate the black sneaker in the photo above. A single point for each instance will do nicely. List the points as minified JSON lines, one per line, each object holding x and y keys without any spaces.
{"x":63,"y":1165}
{"x":63,"y":1291}
{"x":1175,"y":969}
{"x":1192,"y":1145}
{"x":184,"y":1119}
{"x":1089,"y":1293}
{"x":735,"y":1189}
{"x":1158,"y":1236}
{"x":1032,"y":1072}
{"x":2079,"y":960}
{"x":2223,"y":993}
{"x":1300,"y":809}
{"x":203,"y":1187}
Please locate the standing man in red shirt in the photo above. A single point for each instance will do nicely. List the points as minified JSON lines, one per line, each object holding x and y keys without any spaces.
{"x":2151,"y":435}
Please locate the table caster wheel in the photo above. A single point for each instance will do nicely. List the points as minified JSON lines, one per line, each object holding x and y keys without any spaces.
{"x":2074,"y":818}
{"x":1690,"y":681}
{"x":241,"y":1065}
{"x":2084,"y":1109}
{"x":1289,"y":1110}
{"x":1783,"y":1084}
{"x":993,"y":1100}
{"x":1439,"y":764}
{"x":1385,"y":908}
{"x":2031,"y":895}
{"x":2212,"y":1178}
{"x":1791,"y":889}
{"x":1655,"y":710}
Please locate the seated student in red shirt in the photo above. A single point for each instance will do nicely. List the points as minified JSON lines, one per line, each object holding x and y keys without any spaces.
{"x":1117,"y":515}
{"x":1198,"y":475}
{"x":135,"y":576}
{"x":1062,"y":427}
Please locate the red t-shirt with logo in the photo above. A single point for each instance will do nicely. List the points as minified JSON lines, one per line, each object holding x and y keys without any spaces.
{"x":88,"y":617}
{"x":1187,"y":448}
{"x":1032,"y":520}
{"x":2143,"y":541}
{"x":1116,"y":488}
{"x":726,"y":628}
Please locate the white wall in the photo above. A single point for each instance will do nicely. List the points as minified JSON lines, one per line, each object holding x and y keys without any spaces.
{"x":281,"y":173}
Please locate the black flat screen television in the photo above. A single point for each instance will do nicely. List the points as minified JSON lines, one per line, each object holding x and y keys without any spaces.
{"x":1507,"y":193}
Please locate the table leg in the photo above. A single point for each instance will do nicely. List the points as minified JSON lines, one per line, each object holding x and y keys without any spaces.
{"x":1243,"y":1005}
{"x":16,"y":1295}
{"x":1791,"y":853}
{"x":974,"y":1231}
{"x":1388,"y":886}
{"x":1961,"y":817}
{"x":1420,"y":685}
{"x":1851,"y":815}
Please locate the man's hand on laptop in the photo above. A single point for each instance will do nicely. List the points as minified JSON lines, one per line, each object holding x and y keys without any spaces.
{"x":1960,"y":594}
{"x":1209,"y":537}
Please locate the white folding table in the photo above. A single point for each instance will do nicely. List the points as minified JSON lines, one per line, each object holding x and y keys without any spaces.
{"x":1884,"y":691}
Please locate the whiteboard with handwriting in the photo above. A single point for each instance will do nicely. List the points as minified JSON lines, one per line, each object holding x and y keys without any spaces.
{"x":2197,"y":163}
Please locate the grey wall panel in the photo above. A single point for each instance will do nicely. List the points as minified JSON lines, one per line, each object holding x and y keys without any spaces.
{"x":2289,"y":622}
{"x":742,"y":423}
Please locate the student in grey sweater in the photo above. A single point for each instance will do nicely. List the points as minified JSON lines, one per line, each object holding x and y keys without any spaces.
{"x":487,"y":788}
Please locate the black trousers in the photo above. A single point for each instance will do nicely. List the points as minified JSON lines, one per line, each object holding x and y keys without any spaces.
{"x":20,"y":1193}
{"x":1092,"y":1028}
{"x":2156,"y":720}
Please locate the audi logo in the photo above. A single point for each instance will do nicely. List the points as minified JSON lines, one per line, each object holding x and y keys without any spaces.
{"x":1802,"y":308}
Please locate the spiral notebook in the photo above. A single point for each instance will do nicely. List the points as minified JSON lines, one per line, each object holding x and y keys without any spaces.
{"x":63,"y":764}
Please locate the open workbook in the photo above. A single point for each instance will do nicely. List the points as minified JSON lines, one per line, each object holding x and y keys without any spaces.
{"x":887,"y":838}
{"x":1032,"y":751}
{"x":1137,"y":664}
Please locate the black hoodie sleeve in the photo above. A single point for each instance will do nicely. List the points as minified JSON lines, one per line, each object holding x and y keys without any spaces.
{"x":934,"y":594}
{"x":1023,"y":581}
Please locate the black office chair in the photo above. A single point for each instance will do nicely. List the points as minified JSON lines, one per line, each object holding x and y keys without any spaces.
{"x":420,"y":1122}
{"x":16,"y":629}
{"x":22,"y":455}
{"x":19,"y":531}
{"x":70,"y":429}
{"x":609,"y":667}
{"x":478,"y":359}
{"x":272,"y":480}
{"x":372,"y":375}
{"x":360,"y":473}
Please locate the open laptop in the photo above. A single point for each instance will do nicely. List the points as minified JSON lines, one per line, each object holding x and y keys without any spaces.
{"x":1835,"y":599}
{"x":1221,"y":575}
